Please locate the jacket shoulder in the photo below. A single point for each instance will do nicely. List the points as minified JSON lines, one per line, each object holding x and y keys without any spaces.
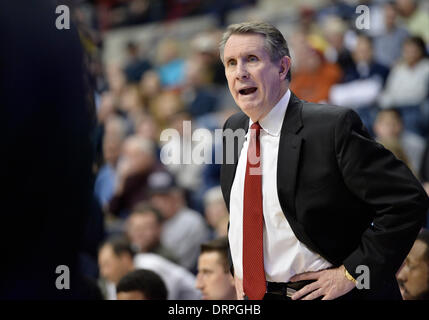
{"x":325,"y":111}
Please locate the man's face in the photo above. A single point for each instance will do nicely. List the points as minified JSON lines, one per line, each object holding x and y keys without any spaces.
{"x":214,"y":282}
{"x":131,"y":295}
{"x":411,"y":53}
{"x":362,"y":51}
{"x":414,"y":276}
{"x":166,"y":203}
{"x":143,"y":230}
{"x":255,"y":82}
{"x":112,"y":267}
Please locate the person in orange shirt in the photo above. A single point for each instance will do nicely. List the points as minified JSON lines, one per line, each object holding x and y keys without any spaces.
{"x":314,"y":76}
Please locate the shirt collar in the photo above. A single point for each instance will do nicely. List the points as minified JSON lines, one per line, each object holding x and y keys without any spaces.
{"x":272,"y":122}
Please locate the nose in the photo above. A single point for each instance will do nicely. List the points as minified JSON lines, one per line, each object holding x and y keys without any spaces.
{"x":199,"y":282}
{"x":241,"y":70}
{"x":402,"y":275}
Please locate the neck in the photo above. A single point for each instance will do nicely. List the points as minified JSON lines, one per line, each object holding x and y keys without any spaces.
{"x":258,"y":117}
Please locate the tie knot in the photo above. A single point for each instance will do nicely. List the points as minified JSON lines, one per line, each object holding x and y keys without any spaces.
{"x":256,"y":126}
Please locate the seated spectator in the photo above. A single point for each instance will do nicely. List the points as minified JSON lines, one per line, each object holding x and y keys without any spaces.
{"x":388,"y":127}
{"x":187,"y":173}
{"x":143,"y":228}
{"x":200,"y":98}
{"x":388,"y":44}
{"x":116,"y":259}
{"x":413,"y":277}
{"x":334,"y":30}
{"x":314,"y":77}
{"x":416,"y":19}
{"x":183,"y":229}
{"x":216,"y":212}
{"x":214,"y":278}
{"x":171,"y":66}
{"x":136,"y":65}
{"x":137,"y":161}
{"x":141,"y":284}
{"x":362,"y":82}
{"x":114,"y":135}
{"x":408,"y":85}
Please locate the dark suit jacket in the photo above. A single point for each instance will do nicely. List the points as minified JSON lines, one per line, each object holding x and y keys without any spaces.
{"x":46,"y":163}
{"x":344,"y":195}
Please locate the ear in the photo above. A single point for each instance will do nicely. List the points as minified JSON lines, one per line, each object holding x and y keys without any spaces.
{"x":285,"y":63}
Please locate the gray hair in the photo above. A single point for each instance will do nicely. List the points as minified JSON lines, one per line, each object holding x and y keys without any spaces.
{"x":275,"y":43}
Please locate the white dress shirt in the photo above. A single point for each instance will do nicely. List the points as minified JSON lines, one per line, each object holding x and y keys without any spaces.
{"x":284,"y":254}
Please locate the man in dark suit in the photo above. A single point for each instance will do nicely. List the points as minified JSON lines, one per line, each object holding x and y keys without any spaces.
{"x":313,"y":200}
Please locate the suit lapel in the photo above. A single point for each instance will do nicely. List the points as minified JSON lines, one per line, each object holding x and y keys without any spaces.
{"x":289,"y":155}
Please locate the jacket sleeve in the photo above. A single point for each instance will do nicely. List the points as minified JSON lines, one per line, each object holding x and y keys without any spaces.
{"x":399,"y":203}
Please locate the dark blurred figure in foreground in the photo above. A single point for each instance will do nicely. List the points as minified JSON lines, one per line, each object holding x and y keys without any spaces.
{"x":141,"y":284}
{"x":46,"y":178}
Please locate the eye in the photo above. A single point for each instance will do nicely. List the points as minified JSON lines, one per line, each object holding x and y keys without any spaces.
{"x":231,"y":63}
{"x":252,"y":59}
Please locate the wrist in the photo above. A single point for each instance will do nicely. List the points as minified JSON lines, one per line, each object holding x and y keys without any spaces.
{"x":348,"y":276}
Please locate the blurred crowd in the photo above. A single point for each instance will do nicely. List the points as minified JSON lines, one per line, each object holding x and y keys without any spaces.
{"x":158,"y":230}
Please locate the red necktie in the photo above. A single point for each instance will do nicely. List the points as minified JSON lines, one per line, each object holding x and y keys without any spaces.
{"x":254,"y":284}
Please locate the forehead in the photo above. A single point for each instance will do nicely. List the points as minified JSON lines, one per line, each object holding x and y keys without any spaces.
{"x":418,"y":250}
{"x":131,"y":295}
{"x":106,"y":252}
{"x":243,"y":44}
{"x":142,"y":217}
{"x":209,"y":259}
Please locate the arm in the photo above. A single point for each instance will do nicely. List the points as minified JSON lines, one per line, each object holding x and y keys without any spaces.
{"x":399,"y":202}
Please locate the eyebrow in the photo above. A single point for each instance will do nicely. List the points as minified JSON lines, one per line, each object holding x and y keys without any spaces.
{"x":246,"y":54}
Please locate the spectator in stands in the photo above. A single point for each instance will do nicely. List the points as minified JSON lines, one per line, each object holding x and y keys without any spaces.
{"x":388,"y":127}
{"x":214,"y":278}
{"x":115,"y":131}
{"x":388,"y":44}
{"x":216,"y":213}
{"x":204,"y":46}
{"x":166,"y":105}
{"x":116,"y":258}
{"x":141,"y":284}
{"x":413,"y":278}
{"x":362,"y":82}
{"x":415,"y":18}
{"x":136,"y":65}
{"x":137,"y":161}
{"x":200,"y":98}
{"x":187,"y":173}
{"x":116,"y":78}
{"x":171,"y":66}
{"x":334,"y":30}
{"x":130,"y":104}
{"x":315,"y":76}
{"x":149,"y":88}
{"x":408,"y":85}
{"x":184,"y":229}
{"x":143,"y":228}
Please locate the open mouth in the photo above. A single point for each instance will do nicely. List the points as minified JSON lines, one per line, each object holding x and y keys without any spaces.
{"x":247,"y":91}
